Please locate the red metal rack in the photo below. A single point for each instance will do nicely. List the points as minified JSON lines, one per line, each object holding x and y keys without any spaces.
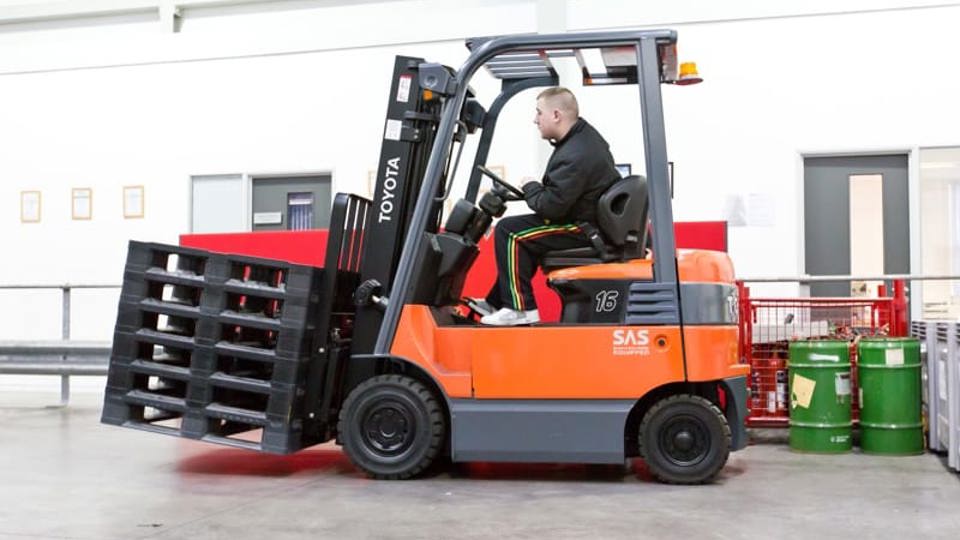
{"x":768,"y":325}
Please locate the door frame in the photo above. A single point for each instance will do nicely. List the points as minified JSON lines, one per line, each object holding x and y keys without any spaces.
{"x":913,"y":192}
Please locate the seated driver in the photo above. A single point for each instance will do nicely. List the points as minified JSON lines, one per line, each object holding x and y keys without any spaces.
{"x":580,"y":169}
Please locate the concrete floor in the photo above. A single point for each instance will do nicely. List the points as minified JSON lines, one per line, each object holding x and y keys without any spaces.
{"x":63,"y":475}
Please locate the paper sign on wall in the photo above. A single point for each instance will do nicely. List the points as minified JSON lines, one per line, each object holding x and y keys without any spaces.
{"x":267,"y":218}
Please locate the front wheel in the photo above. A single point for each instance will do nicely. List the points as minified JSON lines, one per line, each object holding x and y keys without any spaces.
{"x":685,"y":439}
{"x":392,"y":427}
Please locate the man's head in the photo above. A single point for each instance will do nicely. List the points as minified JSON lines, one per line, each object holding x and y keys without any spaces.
{"x":557,"y":112}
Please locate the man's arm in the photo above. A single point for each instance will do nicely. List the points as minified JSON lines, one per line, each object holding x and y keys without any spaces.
{"x":555,"y":200}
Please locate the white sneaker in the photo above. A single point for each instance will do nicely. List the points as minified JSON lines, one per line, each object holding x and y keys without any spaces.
{"x":481,"y":306}
{"x":510,"y":317}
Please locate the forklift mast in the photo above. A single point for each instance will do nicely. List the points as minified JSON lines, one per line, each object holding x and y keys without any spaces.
{"x":408,"y":136}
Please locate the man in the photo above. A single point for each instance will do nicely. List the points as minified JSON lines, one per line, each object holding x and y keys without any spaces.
{"x":578,"y":172}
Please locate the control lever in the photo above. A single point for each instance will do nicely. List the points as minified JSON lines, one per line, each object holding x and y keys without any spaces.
{"x":370,"y":292}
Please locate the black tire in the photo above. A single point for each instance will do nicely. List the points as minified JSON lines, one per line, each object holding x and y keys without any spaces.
{"x":392,"y":427}
{"x":685,"y":439}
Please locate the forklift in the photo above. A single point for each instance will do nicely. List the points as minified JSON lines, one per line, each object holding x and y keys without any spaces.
{"x":378,"y":349}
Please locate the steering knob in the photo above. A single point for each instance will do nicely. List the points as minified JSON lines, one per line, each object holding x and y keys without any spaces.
{"x":369,"y":292}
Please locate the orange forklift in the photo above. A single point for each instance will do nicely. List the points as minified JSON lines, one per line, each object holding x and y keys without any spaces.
{"x":378,"y":349}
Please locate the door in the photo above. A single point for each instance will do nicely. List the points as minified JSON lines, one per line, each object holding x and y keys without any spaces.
{"x":856,"y":220}
{"x":218,"y":204}
{"x":291,"y":203}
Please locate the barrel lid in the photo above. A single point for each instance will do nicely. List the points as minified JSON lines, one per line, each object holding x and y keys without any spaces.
{"x":820,"y":344}
{"x":835,"y":352}
{"x":891,"y":352}
{"x":888,"y":341}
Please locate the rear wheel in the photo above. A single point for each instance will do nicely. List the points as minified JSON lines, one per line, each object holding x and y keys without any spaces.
{"x":685,"y":439}
{"x":392,"y":427}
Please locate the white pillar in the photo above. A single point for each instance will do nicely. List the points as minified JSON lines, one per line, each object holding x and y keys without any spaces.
{"x":552,"y":19}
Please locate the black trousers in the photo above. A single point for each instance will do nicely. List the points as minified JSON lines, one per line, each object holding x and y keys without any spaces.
{"x":520,"y":243}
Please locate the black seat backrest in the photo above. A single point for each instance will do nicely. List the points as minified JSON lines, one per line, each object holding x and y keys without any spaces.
{"x":622,"y":214}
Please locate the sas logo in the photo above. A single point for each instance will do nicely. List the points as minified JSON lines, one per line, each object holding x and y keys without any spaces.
{"x":631,"y":342}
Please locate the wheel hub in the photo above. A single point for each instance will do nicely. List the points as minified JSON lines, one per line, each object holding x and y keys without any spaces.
{"x":387,"y":429}
{"x":685,"y":441}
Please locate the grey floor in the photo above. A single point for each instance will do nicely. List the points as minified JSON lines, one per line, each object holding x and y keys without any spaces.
{"x":63,"y":475}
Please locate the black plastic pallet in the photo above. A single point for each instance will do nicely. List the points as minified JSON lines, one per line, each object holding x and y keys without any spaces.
{"x":208,"y":346}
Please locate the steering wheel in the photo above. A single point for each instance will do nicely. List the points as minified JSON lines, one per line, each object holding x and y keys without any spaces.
{"x":517,"y":195}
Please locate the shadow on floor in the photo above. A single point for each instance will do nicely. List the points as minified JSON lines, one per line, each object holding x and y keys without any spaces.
{"x":332,"y":461}
{"x":233,"y":462}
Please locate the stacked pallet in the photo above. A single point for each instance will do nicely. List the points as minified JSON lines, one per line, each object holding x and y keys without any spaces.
{"x":215,"y":347}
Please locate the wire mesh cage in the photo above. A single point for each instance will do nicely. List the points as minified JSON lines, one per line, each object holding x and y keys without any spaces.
{"x":768,"y":325}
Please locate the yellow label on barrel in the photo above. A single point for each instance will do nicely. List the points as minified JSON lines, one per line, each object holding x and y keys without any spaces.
{"x":802,"y":391}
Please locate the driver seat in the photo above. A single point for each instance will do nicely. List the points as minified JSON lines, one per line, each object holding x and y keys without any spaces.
{"x":622,"y":231}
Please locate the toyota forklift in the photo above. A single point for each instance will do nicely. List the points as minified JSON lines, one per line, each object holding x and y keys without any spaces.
{"x":379,"y":351}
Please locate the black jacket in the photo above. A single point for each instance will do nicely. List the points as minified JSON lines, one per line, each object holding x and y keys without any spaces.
{"x":579,"y":171}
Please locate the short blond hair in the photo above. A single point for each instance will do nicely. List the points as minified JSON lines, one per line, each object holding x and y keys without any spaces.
{"x":561,"y":98}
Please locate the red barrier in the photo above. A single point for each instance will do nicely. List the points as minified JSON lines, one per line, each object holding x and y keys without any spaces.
{"x":298,"y":247}
{"x":710,"y":235}
{"x":309,"y":247}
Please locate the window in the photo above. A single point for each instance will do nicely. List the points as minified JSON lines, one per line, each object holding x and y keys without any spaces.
{"x":940,"y":231}
{"x":299,"y":211}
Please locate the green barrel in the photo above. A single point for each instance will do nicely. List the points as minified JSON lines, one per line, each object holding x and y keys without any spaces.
{"x":889,"y":374}
{"x":820,"y":396}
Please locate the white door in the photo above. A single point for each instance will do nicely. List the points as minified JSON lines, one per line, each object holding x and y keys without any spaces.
{"x":219,"y":204}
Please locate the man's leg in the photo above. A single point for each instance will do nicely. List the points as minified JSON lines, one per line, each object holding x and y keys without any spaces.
{"x":533,"y":244}
{"x":502,"y":295}
{"x":520,"y":243}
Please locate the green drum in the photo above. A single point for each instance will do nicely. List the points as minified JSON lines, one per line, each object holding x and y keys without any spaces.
{"x":889,"y":376}
{"x":820,"y":397}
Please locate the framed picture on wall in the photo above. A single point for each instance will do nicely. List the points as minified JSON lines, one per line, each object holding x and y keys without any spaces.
{"x":81,"y":203}
{"x":30,"y":207}
{"x":132,"y":202}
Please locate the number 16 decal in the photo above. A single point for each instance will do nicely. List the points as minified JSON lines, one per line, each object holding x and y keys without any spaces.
{"x":607,"y":301}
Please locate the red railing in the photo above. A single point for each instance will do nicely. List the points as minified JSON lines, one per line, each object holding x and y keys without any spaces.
{"x":768,"y":325}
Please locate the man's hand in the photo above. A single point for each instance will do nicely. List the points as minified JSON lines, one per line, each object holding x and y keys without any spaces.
{"x":525,"y":181}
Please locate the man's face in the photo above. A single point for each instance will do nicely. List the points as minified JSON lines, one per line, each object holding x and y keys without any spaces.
{"x":547,"y":119}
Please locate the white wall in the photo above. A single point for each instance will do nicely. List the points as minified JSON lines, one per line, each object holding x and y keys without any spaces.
{"x":775,"y":88}
{"x":120,"y":99}
{"x":157,"y":124}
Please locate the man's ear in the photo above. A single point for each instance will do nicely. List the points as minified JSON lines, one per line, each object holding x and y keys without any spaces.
{"x":556,"y":115}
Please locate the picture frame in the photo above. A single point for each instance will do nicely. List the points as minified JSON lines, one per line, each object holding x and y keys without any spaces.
{"x":133,"y":202}
{"x":81,"y":203}
{"x":30,"y":206}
